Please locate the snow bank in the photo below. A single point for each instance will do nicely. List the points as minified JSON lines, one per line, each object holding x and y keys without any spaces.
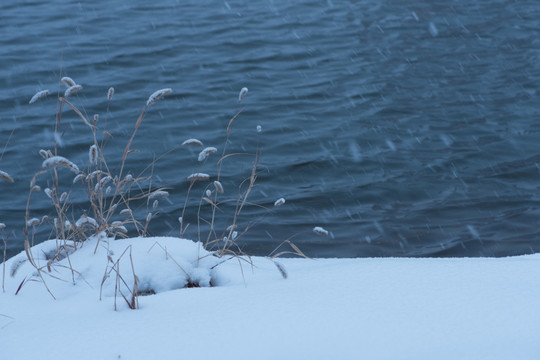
{"x":109,"y":266}
{"x":327,"y":308}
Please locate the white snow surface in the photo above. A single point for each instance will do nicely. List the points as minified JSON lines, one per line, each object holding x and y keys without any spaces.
{"x":376,"y":308}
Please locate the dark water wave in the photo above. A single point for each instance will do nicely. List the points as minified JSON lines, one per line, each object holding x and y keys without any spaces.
{"x":405,"y":128}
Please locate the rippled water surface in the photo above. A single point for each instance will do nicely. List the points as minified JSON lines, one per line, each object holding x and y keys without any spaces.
{"x":404,"y":128}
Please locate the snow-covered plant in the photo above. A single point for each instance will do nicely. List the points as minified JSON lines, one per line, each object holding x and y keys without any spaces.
{"x":105,"y":189}
{"x":242,"y":94}
{"x":118,"y":202}
{"x":320,"y":231}
{"x":279,"y":202}
{"x":38,"y":96}
{"x":72,"y":89}
{"x":110,"y":93}
{"x":158,"y":95}
{"x":214,"y":201}
{"x":206,"y":152}
{"x":69,"y":82}
{"x":5,"y":176}
{"x":93,"y":153}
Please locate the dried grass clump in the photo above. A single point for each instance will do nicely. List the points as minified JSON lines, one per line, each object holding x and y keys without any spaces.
{"x":225,"y":242}
{"x":120,"y":202}
{"x":106,"y":190}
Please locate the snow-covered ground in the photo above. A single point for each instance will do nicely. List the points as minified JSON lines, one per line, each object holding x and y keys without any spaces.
{"x":384,"y":308}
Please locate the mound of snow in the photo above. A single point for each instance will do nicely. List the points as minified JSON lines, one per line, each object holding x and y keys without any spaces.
{"x":114,"y":267}
{"x":325,"y":309}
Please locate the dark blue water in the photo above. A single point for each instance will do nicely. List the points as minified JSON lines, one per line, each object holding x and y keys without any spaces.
{"x":405,"y":128}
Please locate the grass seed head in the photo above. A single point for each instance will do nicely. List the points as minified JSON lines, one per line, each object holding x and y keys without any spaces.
{"x":206,"y":152}
{"x":117,"y":226}
{"x":38,"y":96}
{"x":219,"y":187}
{"x":125,"y":212}
{"x":105,"y":180}
{"x":93,"y":174}
{"x":86,"y":221}
{"x":279,"y":202}
{"x":33,"y":222}
{"x":44,"y":154}
{"x":320,"y":231}
{"x":157,"y":195}
{"x":110,"y":93}
{"x":60,"y":161}
{"x":5,"y":176}
{"x":69,"y":82}
{"x":208,"y":200}
{"x":93,"y":153}
{"x":158,"y":95}
{"x":242,"y":94}
{"x":71,"y":90}
{"x":78,"y":178}
{"x":192,"y":142}
{"x":198,"y":177}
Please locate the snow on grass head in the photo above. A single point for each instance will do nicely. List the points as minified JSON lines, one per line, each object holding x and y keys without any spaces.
{"x":60,"y":161}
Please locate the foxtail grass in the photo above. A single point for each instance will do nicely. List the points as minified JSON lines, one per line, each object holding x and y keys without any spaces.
{"x":114,"y":194}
